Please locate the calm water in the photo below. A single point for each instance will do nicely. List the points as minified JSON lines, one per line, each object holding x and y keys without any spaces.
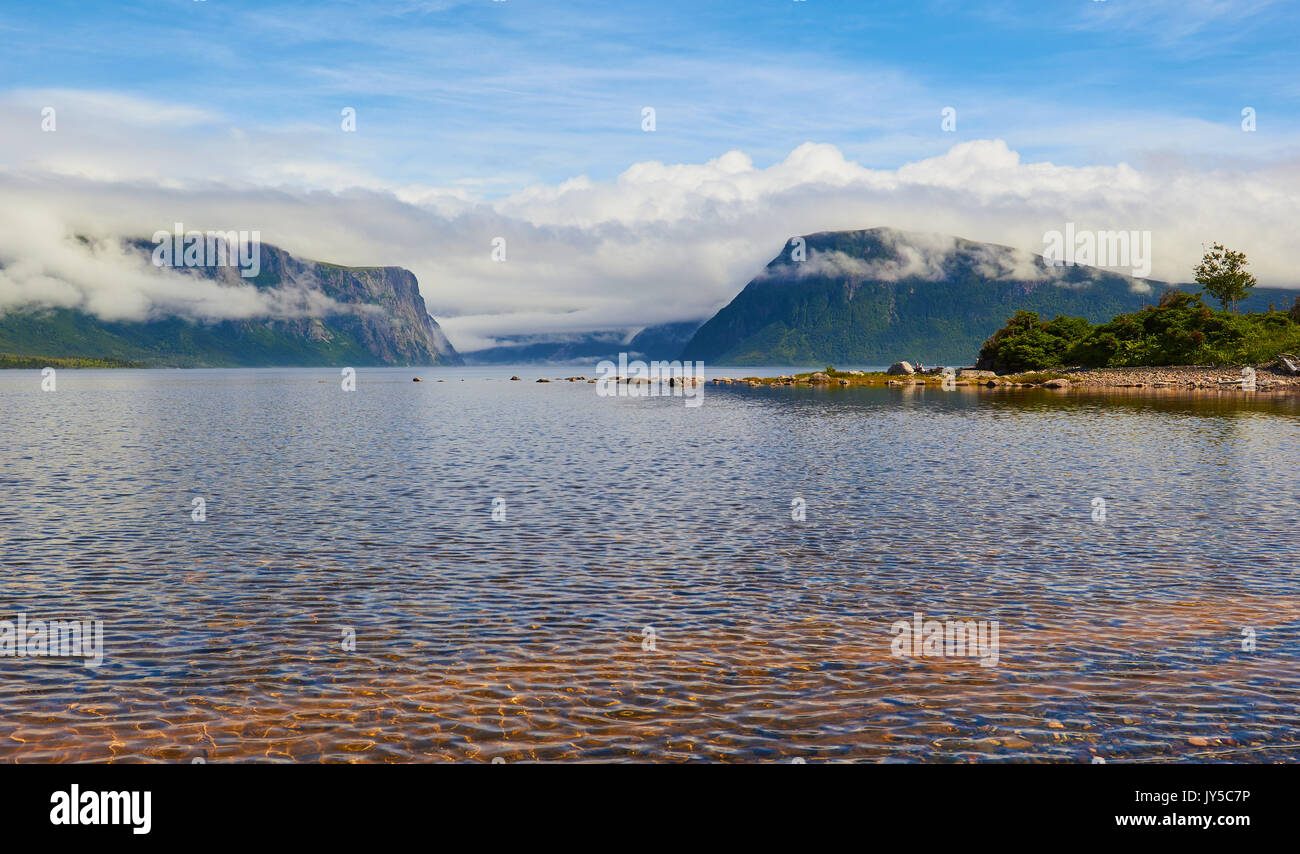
{"x":523,"y":639}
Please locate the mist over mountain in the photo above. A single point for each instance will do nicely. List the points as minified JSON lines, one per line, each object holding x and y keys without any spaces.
{"x":662,"y":341}
{"x":879,"y":295}
{"x":294,"y":312}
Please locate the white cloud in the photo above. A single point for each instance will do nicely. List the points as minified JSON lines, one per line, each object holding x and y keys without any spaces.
{"x":42,"y":265}
{"x":660,"y":242}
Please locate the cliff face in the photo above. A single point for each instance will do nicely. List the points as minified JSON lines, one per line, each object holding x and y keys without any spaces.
{"x":359,"y":316}
{"x":389,"y":319}
{"x":873,"y":297}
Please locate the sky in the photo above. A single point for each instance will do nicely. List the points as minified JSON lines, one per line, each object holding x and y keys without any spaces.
{"x":525,"y":120}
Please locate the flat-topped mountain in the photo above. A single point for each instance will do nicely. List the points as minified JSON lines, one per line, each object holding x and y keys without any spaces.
{"x":363,"y":316}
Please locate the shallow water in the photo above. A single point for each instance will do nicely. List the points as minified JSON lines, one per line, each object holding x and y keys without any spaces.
{"x":372,"y":511}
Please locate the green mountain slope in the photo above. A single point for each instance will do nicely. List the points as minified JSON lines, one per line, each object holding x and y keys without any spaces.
{"x":880,"y":295}
{"x":379,"y":318}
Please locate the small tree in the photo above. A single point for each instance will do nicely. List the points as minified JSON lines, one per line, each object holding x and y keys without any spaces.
{"x":1222,"y":272}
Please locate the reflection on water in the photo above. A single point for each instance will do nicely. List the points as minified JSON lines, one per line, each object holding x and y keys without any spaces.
{"x":523,"y":639}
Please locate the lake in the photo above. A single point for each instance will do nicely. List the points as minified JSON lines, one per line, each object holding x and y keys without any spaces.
{"x":478,"y":570}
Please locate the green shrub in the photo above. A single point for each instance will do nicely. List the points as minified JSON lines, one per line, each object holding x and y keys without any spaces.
{"x":1180,"y":330}
{"x":1027,"y":344}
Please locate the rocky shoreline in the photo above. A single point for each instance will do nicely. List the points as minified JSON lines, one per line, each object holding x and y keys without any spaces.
{"x":1277,"y":376}
{"x":1271,"y":377}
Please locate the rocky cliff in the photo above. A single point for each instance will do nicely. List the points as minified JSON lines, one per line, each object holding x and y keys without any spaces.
{"x":345,"y":316}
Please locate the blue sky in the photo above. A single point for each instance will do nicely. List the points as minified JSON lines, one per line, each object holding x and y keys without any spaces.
{"x":522,"y":120}
{"x":497,"y":95}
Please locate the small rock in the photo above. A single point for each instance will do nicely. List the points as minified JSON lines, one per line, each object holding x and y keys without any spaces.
{"x":1057,"y":383}
{"x":901,"y":368}
{"x":416,"y":380}
{"x":543,"y":380}
{"x":514,"y":378}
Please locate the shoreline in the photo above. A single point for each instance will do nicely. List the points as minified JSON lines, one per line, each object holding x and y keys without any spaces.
{"x":1200,"y":377}
{"x":1268,"y":378}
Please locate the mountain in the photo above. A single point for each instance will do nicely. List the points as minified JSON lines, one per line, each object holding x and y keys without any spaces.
{"x":664,"y":341}
{"x":372,"y":316}
{"x":550,"y":349}
{"x":876,"y":296}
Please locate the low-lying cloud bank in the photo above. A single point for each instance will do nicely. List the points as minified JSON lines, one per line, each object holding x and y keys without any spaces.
{"x":915,"y":255}
{"x":660,"y":243}
{"x":42,"y":265}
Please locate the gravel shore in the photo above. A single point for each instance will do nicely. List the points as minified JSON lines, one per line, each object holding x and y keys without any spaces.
{"x":1267,"y":377}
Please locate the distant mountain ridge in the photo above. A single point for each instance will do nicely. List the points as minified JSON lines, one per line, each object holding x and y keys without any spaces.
{"x":378,"y":318}
{"x":880,"y":295}
{"x":663,"y":341}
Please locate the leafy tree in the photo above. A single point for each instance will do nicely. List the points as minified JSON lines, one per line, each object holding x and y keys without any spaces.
{"x":1027,"y":344}
{"x":1222,"y":272}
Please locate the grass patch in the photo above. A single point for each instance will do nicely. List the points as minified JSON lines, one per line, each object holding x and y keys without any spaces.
{"x":9,"y":360}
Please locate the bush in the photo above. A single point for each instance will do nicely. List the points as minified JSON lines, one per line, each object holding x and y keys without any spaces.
{"x":1027,"y":344}
{"x":1180,"y":330}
